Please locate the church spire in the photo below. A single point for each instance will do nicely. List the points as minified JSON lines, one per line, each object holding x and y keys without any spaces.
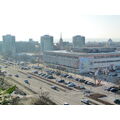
{"x":61,"y":40}
{"x":60,"y":35}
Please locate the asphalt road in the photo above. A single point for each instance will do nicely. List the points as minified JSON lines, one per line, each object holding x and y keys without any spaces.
{"x":72,"y":97}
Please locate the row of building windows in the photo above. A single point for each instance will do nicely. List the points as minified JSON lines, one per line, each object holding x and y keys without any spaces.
{"x":94,"y":56}
{"x":63,"y":55}
{"x":107,"y":61}
{"x":107,"y":56}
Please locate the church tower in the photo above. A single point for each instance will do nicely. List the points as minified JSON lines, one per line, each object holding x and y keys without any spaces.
{"x":61,"y":42}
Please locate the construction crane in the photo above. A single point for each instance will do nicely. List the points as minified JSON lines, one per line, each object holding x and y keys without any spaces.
{"x":97,"y":82}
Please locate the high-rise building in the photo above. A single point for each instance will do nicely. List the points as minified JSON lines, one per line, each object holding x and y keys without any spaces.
{"x":46,"y":43}
{"x":78,"y":41}
{"x":9,"y":48}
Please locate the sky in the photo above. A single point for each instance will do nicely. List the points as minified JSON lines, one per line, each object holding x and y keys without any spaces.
{"x":33,"y":18}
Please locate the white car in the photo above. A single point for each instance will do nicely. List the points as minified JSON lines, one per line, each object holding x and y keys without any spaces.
{"x":86,"y":101}
{"x":66,"y":103}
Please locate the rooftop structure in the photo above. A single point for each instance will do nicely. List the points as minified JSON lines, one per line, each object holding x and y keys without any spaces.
{"x":94,"y":49}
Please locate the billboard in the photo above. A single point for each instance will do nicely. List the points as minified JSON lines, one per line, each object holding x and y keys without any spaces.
{"x":85,"y":63}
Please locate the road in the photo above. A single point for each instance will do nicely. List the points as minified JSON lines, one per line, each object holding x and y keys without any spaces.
{"x":61,"y":96}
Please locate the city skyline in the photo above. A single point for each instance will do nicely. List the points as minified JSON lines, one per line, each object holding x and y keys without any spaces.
{"x":56,"y":40}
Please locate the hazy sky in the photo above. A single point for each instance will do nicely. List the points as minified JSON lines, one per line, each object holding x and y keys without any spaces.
{"x":32,"y":18}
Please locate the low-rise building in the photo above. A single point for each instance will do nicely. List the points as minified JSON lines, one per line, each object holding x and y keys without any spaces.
{"x":81,"y":62}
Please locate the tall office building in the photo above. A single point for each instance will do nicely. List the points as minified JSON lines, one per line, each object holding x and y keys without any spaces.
{"x":9,"y":48}
{"x":46,"y":43}
{"x":78,"y":41}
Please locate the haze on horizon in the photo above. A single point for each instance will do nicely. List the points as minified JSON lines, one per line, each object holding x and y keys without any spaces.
{"x":33,"y":18}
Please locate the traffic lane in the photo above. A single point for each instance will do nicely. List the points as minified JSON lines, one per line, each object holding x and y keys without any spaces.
{"x":86,"y":85}
{"x":78,"y":98}
{"x":58,"y":96}
{"x":45,"y":81}
{"x":35,"y":86}
{"x":72,"y":96}
{"x":100,"y":89}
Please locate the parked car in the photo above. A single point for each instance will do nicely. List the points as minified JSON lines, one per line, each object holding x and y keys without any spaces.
{"x":112,"y":74}
{"x":50,"y":77}
{"x":21,"y":93}
{"x":37,"y":67}
{"x":26,"y":81}
{"x":64,"y":75}
{"x":85,"y":82}
{"x":81,"y":87}
{"x":68,"y":82}
{"x":71,"y":85}
{"x":39,"y":73}
{"x":77,"y":79}
{"x":57,"y":73}
{"x":25,"y":68}
{"x":66,"y":103}
{"x":87,"y":91}
{"x":29,"y":76}
{"x":86,"y":101}
{"x":54,"y":87}
{"x":49,"y":73}
{"x":117,"y":101}
{"x":16,"y":75}
{"x":89,"y":83}
{"x":35,"y":72}
{"x":46,"y":76}
{"x":61,"y":81}
{"x":70,"y":76}
{"x":81,"y":80}
{"x":43,"y":74}
{"x":112,"y":89}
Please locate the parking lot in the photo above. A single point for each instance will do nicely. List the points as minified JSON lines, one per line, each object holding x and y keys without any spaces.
{"x":63,"y":87}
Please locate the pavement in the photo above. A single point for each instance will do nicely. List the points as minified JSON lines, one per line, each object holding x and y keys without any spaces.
{"x":73,"y":97}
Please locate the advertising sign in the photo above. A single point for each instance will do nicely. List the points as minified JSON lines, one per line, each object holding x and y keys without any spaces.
{"x":85,"y":64}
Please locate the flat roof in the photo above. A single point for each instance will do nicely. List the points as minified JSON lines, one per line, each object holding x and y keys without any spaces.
{"x":64,"y":52}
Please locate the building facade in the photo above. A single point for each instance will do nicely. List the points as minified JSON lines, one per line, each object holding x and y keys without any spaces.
{"x":9,"y":47}
{"x":46,"y":43}
{"x":78,"y":41}
{"x":27,"y":46}
{"x":81,"y":62}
